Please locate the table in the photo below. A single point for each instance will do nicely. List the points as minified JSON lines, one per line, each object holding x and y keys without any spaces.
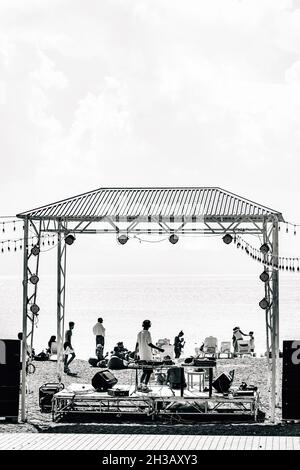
{"x":182,"y":366}
{"x":190,"y":379}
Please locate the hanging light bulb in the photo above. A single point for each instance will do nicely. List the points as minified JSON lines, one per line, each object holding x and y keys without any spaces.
{"x":3,"y":227}
{"x":14,"y":226}
{"x":287,"y":228}
{"x":295,"y":233}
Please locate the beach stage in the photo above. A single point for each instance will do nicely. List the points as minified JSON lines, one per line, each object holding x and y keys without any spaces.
{"x":161,"y":402}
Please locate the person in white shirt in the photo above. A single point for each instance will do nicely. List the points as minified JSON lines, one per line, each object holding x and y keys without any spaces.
{"x":143,"y":352}
{"x":99,"y":332}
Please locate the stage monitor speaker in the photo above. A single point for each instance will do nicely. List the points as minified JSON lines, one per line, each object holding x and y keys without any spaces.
{"x":291,"y":380}
{"x":223,"y":382}
{"x":9,"y":378}
{"x":103,"y":380}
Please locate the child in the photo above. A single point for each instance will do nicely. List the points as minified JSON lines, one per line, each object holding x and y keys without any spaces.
{"x":251,"y":333}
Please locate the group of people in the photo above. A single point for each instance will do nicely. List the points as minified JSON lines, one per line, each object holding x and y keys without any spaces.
{"x":237,"y":336}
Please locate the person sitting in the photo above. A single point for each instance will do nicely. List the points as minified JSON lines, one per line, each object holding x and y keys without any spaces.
{"x":116,"y":362}
{"x":99,"y":352}
{"x":121,"y":351}
{"x":50,"y":344}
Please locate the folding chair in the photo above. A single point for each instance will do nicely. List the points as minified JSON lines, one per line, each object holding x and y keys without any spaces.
{"x":225,"y":350}
{"x":210,"y":346}
{"x":244,"y":347}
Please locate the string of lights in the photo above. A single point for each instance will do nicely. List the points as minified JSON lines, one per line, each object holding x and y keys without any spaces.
{"x":262,"y":256}
{"x":13,"y":245}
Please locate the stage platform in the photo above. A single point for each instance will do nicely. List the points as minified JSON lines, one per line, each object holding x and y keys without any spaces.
{"x":160,"y":403}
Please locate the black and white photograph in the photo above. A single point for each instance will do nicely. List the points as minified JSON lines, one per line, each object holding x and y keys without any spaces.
{"x":149,"y":228}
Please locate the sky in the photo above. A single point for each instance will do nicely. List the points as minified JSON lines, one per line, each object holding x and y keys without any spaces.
{"x":149,"y":93}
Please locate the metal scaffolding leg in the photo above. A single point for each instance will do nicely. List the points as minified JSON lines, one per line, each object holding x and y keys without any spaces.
{"x":30,"y":308}
{"x":61,"y":291}
{"x":272,"y":313}
{"x":25,"y":303}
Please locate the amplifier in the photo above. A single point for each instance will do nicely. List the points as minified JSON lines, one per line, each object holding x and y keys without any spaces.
{"x":118,"y":392}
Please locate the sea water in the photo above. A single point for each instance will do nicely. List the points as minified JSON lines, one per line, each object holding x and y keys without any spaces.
{"x":199,"y":305}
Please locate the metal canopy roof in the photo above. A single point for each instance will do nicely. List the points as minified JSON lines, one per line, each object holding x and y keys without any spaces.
{"x":126,"y":203}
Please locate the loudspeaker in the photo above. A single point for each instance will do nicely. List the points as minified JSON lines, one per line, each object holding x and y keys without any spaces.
{"x":176,"y":377}
{"x":223,"y":382}
{"x":9,"y":378}
{"x":104,"y":380}
{"x":291,"y":380}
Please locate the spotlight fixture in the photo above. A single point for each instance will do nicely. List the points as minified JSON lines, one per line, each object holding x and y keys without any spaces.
{"x":227,"y":239}
{"x":35,"y":309}
{"x":173,"y":238}
{"x":122,"y":239}
{"x":69,"y":239}
{"x":264,"y":276}
{"x":34,"y":279}
{"x":264,"y":304}
{"x":35,"y":250}
{"x":264,"y":248}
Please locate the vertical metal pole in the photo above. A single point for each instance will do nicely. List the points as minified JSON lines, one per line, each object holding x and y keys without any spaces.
{"x":275,"y":308}
{"x":25,"y":304}
{"x":59,"y":325}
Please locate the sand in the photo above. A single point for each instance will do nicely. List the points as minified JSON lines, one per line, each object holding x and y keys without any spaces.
{"x":251,"y":370}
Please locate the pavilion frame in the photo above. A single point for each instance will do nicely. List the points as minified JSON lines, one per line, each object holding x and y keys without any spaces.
{"x":264,"y":225}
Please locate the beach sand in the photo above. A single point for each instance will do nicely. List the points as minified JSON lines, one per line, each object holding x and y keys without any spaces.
{"x":253,"y":371}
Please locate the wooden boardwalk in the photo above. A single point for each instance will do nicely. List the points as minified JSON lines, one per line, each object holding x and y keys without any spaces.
{"x":32,"y":441}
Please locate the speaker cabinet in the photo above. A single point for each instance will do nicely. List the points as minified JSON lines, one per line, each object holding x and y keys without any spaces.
{"x":103,"y":380}
{"x":291,"y":380}
{"x":9,"y":378}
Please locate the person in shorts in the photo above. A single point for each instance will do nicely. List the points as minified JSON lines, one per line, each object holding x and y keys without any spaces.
{"x":68,"y":348}
{"x":143,"y":352}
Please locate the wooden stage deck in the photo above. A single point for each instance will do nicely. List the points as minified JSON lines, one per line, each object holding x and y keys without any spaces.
{"x":29,"y":441}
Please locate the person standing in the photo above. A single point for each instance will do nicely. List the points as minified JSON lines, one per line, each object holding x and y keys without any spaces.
{"x":178,"y":344}
{"x":68,"y":348}
{"x":143,"y":352}
{"x":99,"y":332}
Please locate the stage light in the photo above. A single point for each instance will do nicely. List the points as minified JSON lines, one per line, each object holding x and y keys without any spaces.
{"x":35,"y":250}
{"x":69,"y":239}
{"x":34,"y":279}
{"x":264,"y":276}
{"x":264,"y":248}
{"x":122,"y":239}
{"x":173,"y":238}
{"x":227,"y":239}
{"x":264,"y":304}
{"x":35,"y":309}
